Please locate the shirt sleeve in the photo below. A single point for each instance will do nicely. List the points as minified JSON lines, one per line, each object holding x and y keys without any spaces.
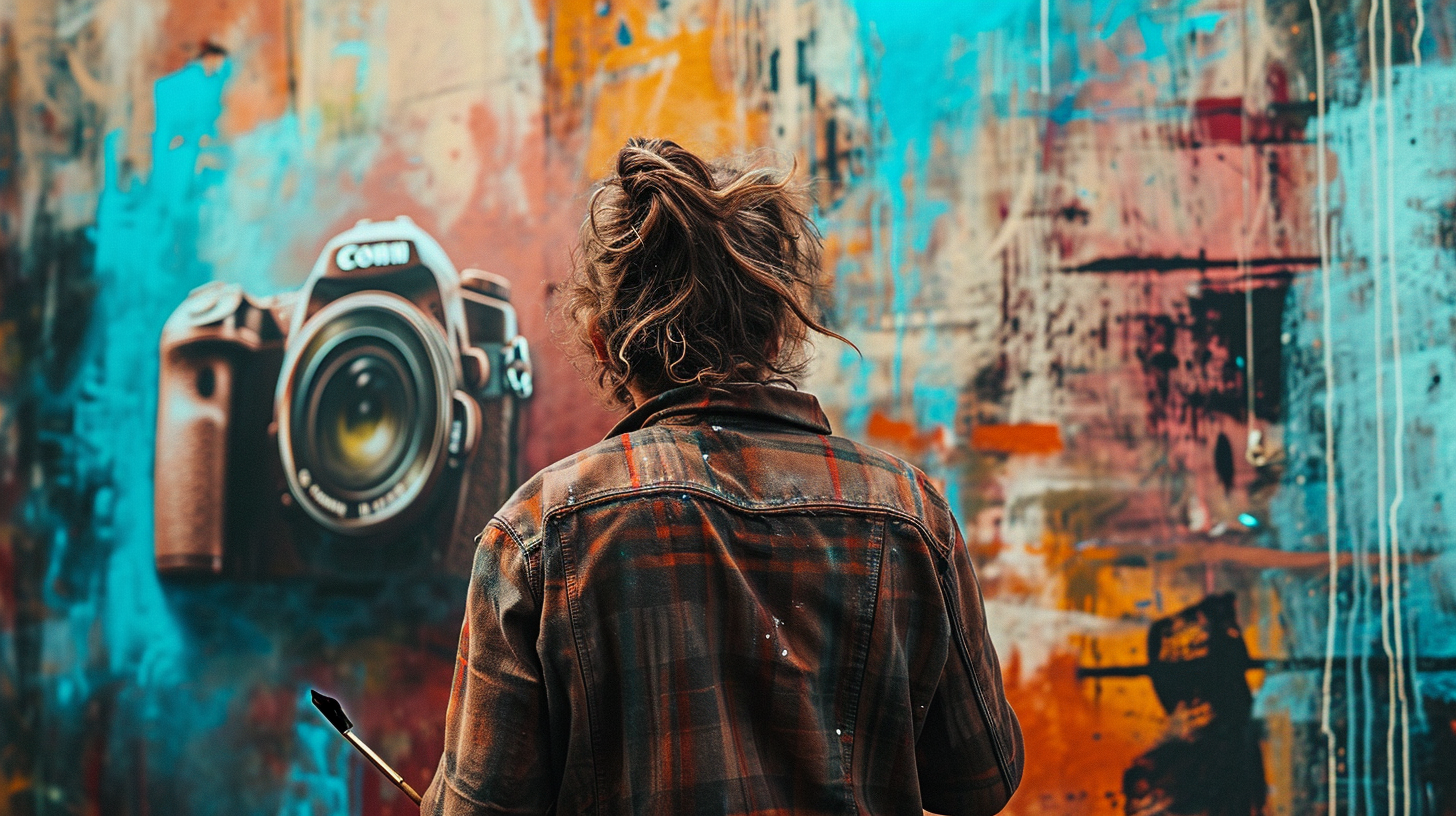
{"x":496,"y":757}
{"x":970,"y":754}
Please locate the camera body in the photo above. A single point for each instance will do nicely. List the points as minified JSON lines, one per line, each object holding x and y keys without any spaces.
{"x":362,"y":426}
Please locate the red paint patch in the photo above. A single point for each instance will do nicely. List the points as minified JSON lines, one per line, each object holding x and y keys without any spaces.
{"x":1223,"y":119}
{"x":1220,"y":118}
{"x":1024,"y":438}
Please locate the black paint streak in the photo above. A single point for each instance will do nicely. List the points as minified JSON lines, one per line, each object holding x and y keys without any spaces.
{"x":1223,"y":461}
{"x":1441,"y":757}
{"x":1197,"y":659}
{"x":1196,"y":361}
{"x":46,"y":297}
{"x":1446,"y":226}
{"x":1378,"y":664}
{"x":1211,"y":764}
{"x":990,"y":382}
{"x":1177,"y":263}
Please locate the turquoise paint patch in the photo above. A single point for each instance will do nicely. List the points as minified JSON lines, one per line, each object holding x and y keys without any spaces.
{"x":165,"y":649}
{"x":857,"y":412}
{"x":319,"y":780}
{"x":1152,"y":36}
{"x":147,"y":259}
{"x":360,"y":52}
{"x":283,"y":193}
{"x":1424,"y":157}
{"x":147,"y":239}
{"x":624,"y":35}
{"x":1206,"y":23}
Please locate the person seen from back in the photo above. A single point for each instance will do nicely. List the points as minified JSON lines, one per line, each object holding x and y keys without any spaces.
{"x":721,"y":608}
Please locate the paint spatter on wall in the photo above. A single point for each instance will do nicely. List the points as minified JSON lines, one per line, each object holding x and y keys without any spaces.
{"x":1144,"y":284}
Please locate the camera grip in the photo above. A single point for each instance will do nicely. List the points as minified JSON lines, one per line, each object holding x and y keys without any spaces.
{"x":488,"y":480}
{"x":191,"y":461}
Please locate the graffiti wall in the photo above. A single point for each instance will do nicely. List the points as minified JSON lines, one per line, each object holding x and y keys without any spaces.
{"x":1163,"y":292}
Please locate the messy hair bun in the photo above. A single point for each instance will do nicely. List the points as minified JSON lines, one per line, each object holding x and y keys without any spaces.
{"x":694,"y":273}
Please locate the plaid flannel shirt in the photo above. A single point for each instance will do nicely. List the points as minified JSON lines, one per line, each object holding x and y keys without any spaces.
{"x":723,"y":609}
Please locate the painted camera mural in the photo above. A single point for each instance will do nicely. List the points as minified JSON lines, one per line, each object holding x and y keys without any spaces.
{"x":1162,"y":291}
{"x":388,"y":385}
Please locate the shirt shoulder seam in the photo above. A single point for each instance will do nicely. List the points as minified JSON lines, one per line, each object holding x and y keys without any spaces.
{"x":692,"y":487}
{"x":527,"y":546}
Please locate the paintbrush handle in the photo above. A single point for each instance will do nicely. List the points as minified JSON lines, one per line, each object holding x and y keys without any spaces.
{"x":408,"y":791}
{"x":382,"y":766}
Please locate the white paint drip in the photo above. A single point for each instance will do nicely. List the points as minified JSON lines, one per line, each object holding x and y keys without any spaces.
{"x":1021,"y":204}
{"x":1378,"y":177}
{"x":1244,"y":227}
{"x":1419,"y":32}
{"x":1397,"y":675}
{"x":1331,"y":510}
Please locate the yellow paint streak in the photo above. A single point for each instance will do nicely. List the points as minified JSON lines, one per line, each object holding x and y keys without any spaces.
{"x":1279,"y":762}
{"x":662,"y":88}
{"x":1263,"y":629}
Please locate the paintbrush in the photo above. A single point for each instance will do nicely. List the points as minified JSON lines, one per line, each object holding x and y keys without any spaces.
{"x":334,"y":713}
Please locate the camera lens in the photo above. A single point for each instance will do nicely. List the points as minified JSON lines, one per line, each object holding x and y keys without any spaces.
{"x":364,"y":411}
{"x":365,"y":415}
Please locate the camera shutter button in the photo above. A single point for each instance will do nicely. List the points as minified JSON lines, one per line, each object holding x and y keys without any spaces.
{"x":212,"y":302}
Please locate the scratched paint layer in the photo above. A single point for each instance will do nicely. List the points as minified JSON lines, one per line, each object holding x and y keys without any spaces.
{"x":1076,"y":240}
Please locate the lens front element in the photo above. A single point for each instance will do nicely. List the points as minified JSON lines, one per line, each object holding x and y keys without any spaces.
{"x":364,"y":411}
{"x":364,"y":415}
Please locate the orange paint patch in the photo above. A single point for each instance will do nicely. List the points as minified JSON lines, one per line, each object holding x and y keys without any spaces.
{"x":1081,"y":735}
{"x":882,"y":428}
{"x":1024,"y":438}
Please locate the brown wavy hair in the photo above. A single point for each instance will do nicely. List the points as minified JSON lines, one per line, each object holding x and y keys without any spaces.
{"x":694,"y":273}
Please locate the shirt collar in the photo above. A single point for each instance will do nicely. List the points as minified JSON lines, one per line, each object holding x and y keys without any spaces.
{"x":748,"y":400}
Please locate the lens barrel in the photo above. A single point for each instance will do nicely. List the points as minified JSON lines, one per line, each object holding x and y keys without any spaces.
{"x":364,"y":412}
